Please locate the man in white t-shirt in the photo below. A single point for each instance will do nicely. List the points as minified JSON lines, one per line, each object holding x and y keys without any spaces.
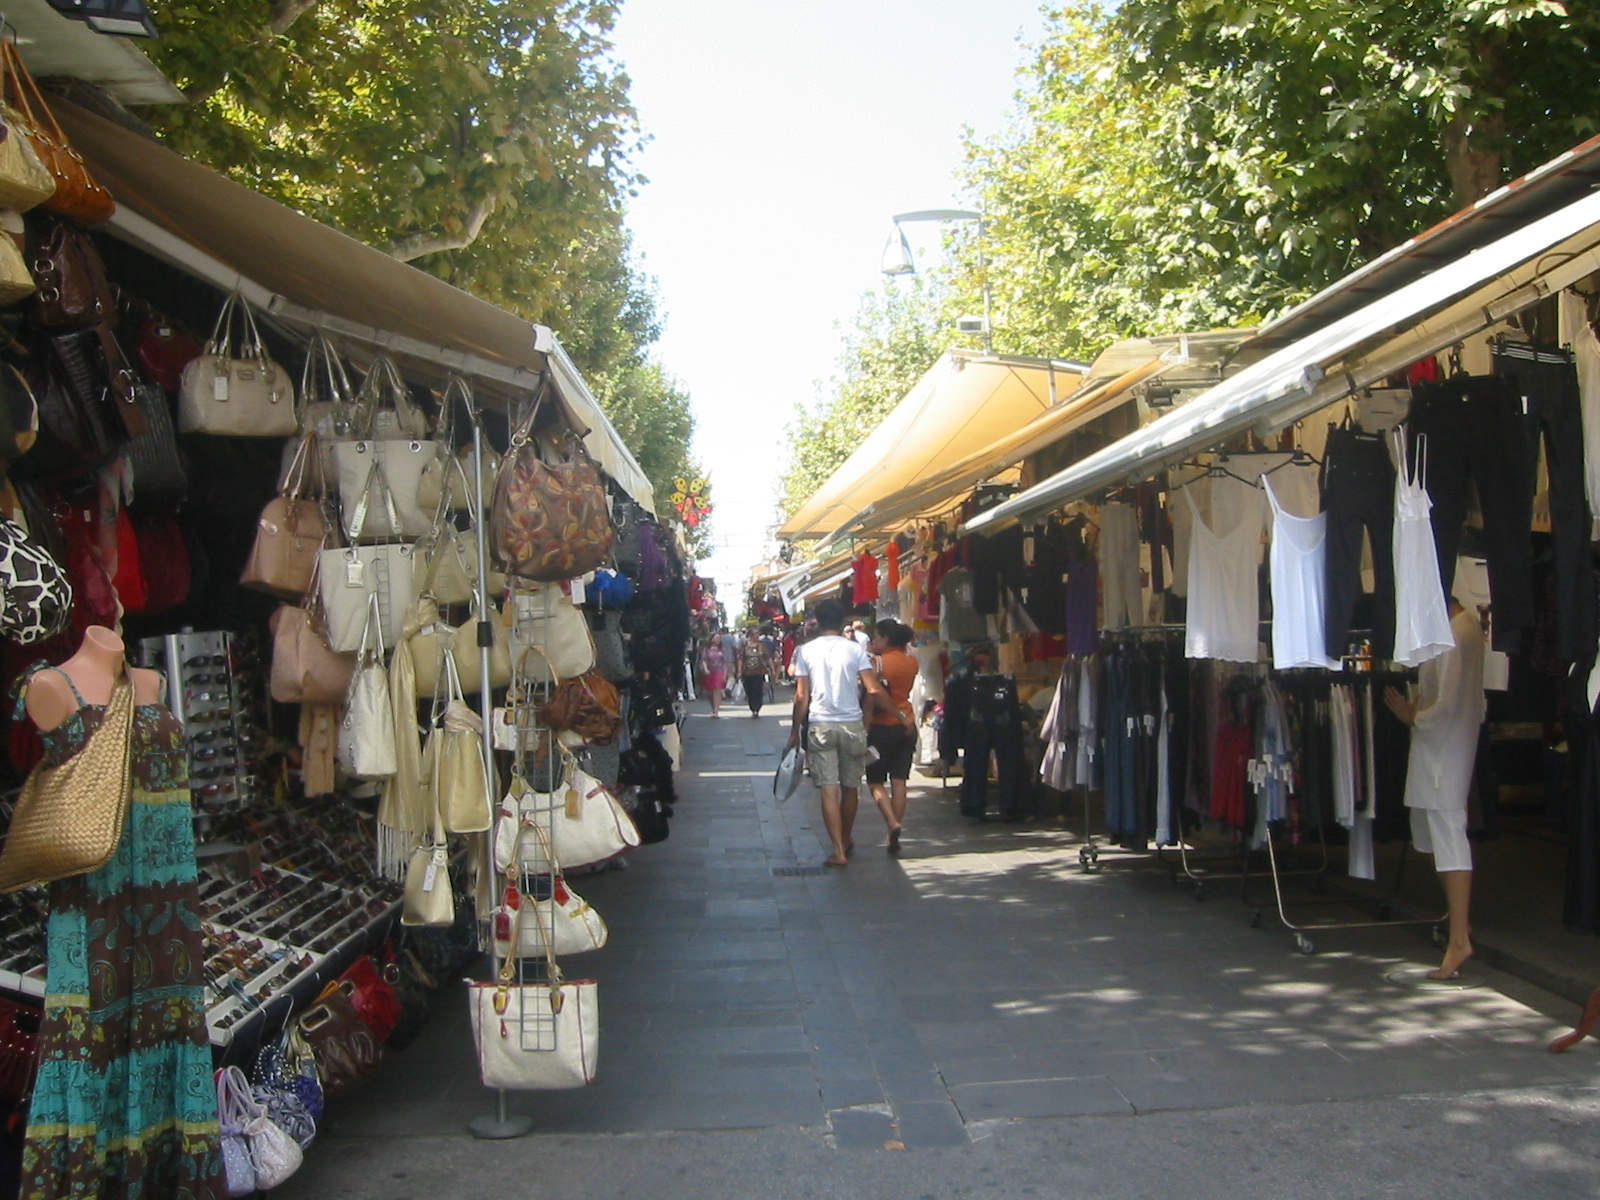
{"x":829,"y":673}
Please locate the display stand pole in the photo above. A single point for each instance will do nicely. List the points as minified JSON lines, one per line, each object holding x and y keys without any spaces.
{"x":502,"y":1125}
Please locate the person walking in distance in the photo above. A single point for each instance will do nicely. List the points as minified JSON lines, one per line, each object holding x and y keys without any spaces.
{"x":754,"y":666}
{"x":893,"y":734}
{"x":1444,"y":711}
{"x":714,"y":669}
{"x":829,"y":673}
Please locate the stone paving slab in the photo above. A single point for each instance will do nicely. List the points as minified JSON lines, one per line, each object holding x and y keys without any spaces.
{"x":978,"y":979}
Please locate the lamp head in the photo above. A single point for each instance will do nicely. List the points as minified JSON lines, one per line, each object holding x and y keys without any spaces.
{"x":125,"y":18}
{"x":896,"y":259}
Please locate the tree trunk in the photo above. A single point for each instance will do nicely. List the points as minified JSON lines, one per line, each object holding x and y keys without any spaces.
{"x":1473,"y":142}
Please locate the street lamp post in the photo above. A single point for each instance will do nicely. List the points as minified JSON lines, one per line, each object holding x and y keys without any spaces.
{"x":897,"y":258}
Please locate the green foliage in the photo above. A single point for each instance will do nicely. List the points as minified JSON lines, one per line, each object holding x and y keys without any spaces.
{"x":1192,"y":163}
{"x":486,"y":141}
{"x":897,"y":336}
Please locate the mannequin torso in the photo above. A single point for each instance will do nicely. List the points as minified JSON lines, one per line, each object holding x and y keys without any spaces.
{"x":94,"y":670}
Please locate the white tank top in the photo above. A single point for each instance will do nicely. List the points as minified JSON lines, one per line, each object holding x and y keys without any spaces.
{"x":1421,"y":617}
{"x":1223,"y":611}
{"x":1298,"y":566}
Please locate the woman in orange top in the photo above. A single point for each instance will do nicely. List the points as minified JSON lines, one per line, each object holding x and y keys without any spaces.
{"x":893,"y":734}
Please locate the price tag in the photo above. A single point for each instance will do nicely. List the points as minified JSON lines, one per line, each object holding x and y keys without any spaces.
{"x":219,"y":387}
{"x":429,"y":876}
{"x":355,"y":572}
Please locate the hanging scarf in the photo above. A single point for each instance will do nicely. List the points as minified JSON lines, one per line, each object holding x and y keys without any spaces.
{"x":403,"y":813}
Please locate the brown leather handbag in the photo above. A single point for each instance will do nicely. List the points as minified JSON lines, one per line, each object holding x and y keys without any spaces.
{"x":78,"y":194}
{"x":289,"y":537}
{"x":587,"y":706}
{"x":548,"y":521}
{"x":345,"y":1047}
{"x":74,"y":291}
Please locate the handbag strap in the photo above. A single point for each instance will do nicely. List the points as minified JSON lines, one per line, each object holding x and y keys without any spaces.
{"x":294,"y":479}
{"x":373,"y":625}
{"x":25,"y":94}
{"x":384,"y":383}
{"x":332,"y":375}
{"x":358,"y":518}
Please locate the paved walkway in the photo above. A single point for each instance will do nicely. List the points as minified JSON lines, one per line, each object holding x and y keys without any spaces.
{"x":931,"y":1001}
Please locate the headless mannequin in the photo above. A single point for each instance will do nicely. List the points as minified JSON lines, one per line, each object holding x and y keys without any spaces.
{"x":95,"y":670}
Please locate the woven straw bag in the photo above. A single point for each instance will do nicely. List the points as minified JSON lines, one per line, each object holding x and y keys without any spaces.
{"x":69,"y":818}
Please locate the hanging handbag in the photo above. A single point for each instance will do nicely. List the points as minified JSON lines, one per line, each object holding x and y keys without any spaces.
{"x":453,"y":769}
{"x":77,"y":193}
{"x":385,"y":410}
{"x":548,"y":521}
{"x":272,"y":1154}
{"x":69,"y":818}
{"x":160,"y":476}
{"x":289,"y":539}
{"x":305,"y":670}
{"x":435,"y":640}
{"x":280,"y":1087}
{"x":24,"y":180}
{"x":350,"y":577}
{"x":244,"y":396}
{"x":587,"y":706}
{"x":586,"y":823}
{"x":545,"y":619}
{"x":372,"y":996}
{"x":327,"y":413}
{"x":35,"y":597}
{"x":163,"y":351}
{"x":366,"y":735}
{"x":537,"y":1036}
{"x":429,"y":898}
{"x":448,"y":478}
{"x":564,"y":921}
{"x":344,"y":1047}
{"x":16,"y":281}
{"x":377,"y":483}
{"x":74,"y":290}
{"x":448,"y":561}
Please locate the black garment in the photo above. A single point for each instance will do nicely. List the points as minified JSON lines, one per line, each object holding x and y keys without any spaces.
{"x":755,"y":691}
{"x":1357,"y":494}
{"x":1546,"y":384}
{"x":982,"y":717}
{"x":1475,"y":433}
{"x":1043,"y":588}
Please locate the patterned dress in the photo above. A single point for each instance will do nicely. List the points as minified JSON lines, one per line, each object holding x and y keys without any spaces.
{"x":125,"y":1107}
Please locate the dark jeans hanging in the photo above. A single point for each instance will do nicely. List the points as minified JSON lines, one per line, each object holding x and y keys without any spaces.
{"x":1546,"y":384}
{"x":1357,"y":495}
{"x":1476,"y":433}
{"x":993,"y":726}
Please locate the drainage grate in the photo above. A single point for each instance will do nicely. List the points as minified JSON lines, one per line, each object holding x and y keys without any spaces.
{"x":799,"y":870}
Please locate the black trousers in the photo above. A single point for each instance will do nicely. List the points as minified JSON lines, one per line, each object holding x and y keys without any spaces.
{"x":1546,"y":384}
{"x":994,"y":726}
{"x":1357,"y":495}
{"x":755,"y":690}
{"x":1475,"y":433}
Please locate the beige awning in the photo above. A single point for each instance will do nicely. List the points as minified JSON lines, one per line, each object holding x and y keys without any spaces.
{"x":307,"y":273}
{"x":964,"y":400}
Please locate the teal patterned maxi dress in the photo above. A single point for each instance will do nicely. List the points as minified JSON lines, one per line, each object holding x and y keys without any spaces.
{"x":125,"y":1107}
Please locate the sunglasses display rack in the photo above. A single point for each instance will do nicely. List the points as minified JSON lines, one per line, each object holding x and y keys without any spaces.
{"x":23,"y":915}
{"x":216,"y":702}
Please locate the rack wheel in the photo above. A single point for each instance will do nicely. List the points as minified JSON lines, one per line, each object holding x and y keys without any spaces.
{"x":1255,"y":919}
{"x":1439,"y":938}
{"x":1304,"y":944}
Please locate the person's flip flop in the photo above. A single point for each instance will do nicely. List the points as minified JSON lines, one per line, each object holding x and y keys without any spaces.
{"x":894,"y":841}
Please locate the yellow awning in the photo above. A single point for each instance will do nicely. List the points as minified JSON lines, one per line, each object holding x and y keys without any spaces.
{"x":929,"y":494}
{"x":964,"y":400}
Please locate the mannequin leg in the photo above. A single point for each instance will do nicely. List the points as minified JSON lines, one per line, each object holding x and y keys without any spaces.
{"x":1457,"y":898}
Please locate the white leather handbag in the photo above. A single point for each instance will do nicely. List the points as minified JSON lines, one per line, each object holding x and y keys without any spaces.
{"x":542,"y":618}
{"x":349,"y":576}
{"x":243,"y":395}
{"x":584,"y":822}
{"x":366,"y":734}
{"x":378,"y":488}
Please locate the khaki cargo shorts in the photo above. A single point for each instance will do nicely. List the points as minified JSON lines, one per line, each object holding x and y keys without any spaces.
{"x":837,"y":752}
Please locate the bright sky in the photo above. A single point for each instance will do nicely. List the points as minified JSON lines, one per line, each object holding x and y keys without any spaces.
{"x":784,"y":137}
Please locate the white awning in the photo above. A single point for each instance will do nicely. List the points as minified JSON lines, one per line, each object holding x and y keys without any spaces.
{"x":1359,"y":350}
